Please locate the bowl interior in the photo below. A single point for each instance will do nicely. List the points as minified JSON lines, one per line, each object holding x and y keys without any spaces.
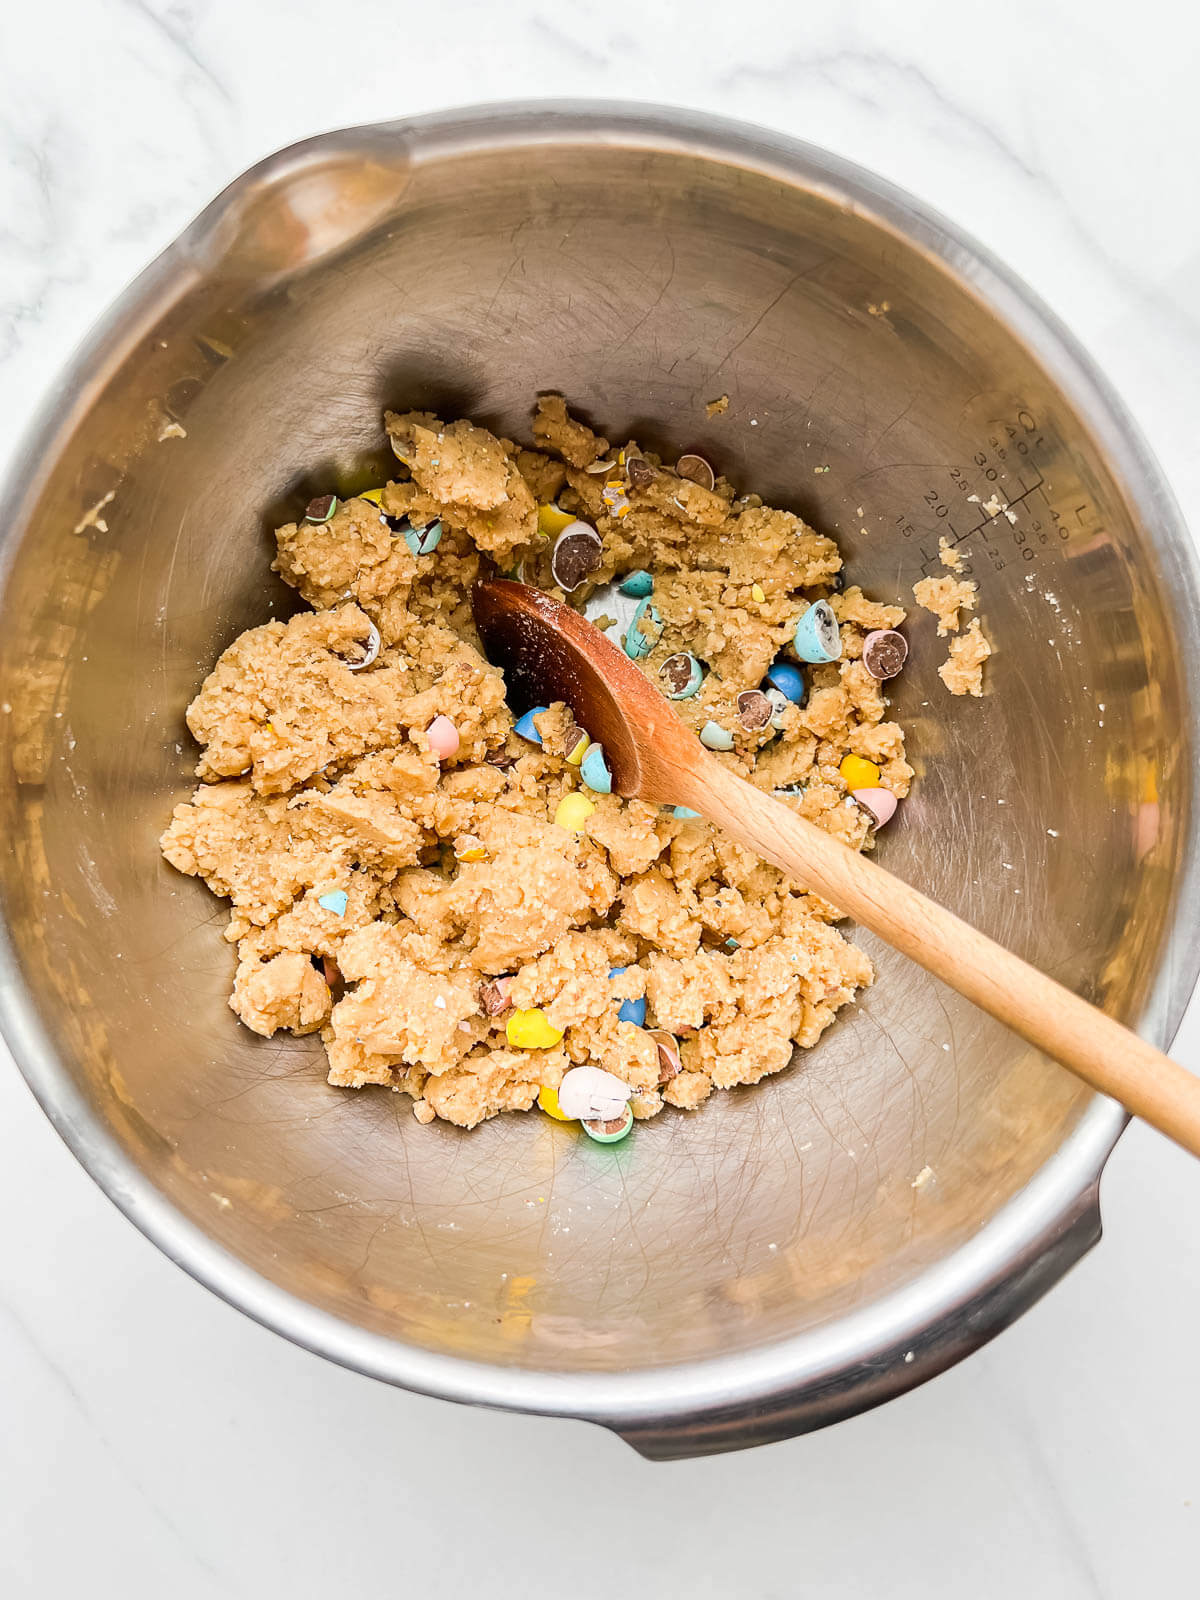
{"x":869,"y":388}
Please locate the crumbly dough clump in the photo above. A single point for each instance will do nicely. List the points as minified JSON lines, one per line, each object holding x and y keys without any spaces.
{"x":962,"y":670}
{"x":378,"y":893}
{"x":946,"y":597}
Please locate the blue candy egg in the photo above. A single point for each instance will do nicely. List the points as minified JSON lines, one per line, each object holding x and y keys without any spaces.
{"x":525,"y":725}
{"x":789,"y":680}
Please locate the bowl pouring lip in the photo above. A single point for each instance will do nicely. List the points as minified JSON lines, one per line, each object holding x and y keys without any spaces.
{"x":913,"y":1318}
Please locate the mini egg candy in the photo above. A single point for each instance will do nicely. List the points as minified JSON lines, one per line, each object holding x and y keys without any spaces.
{"x":592,"y":1093}
{"x":578,"y":552}
{"x":643,"y":632}
{"x":572,"y":812}
{"x":669,"y":1063}
{"x":526,"y":726}
{"x":881,"y":803}
{"x":443,"y":738}
{"x":370,"y":651}
{"x":817,"y":638}
{"x":611,"y":1130}
{"x":754,"y":710}
{"x":552,"y":521}
{"x":468,"y":847}
{"x":548,"y":1101}
{"x":423,"y":541}
{"x":594,"y":770}
{"x":336,"y":901}
{"x":321,"y":509}
{"x":638,"y":471}
{"x":638,"y":584}
{"x":683,"y":813}
{"x":758,"y":594}
{"x":696,"y":470}
{"x":779,"y":704}
{"x":860,"y":773}
{"x":716,"y":737}
{"x":575,"y":744}
{"x":531,"y":1030}
{"x":789,"y":680}
{"x":493,"y":996}
{"x":681,"y":675}
{"x":630,"y":1010}
{"x":373,"y":497}
{"x":884,"y":653}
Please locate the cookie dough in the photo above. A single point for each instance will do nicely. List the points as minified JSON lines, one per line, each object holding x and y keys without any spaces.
{"x":406,"y":903}
{"x":962,"y":670}
{"x":945,"y":597}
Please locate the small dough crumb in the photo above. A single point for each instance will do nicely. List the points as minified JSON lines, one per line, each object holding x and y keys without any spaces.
{"x":718,"y":407}
{"x":950,"y":557}
{"x":962,"y":671}
{"x":945,"y":598}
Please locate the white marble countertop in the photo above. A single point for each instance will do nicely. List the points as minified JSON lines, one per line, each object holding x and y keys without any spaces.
{"x":155,"y":1442}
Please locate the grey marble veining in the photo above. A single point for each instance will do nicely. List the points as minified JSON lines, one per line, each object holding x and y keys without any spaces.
{"x":157,"y":1442}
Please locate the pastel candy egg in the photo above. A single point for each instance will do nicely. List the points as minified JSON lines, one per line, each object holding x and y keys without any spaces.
{"x":789,"y":680}
{"x":683,"y":813}
{"x":881,"y":803}
{"x":578,"y":552}
{"x":638,"y":584}
{"x":526,"y":726}
{"x":681,"y":675}
{"x":576,"y":745}
{"x":548,"y":1101}
{"x":591,"y":1092}
{"x":552,"y":521}
{"x":643,"y":632}
{"x":321,"y":509}
{"x":779,"y":704}
{"x":594,"y":770}
{"x":572,"y":812}
{"x":716,"y":737}
{"x":531,"y":1030}
{"x":336,"y":901}
{"x":860,"y":773}
{"x":630,"y":1010}
{"x":668,"y":1054}
{"x":609,"y":1130}
{"x":884,"y":653}
{"x":443,"y":738}
{"x":423,"y":541}
{"x":817,"y":637}
{"x":373,"y":497}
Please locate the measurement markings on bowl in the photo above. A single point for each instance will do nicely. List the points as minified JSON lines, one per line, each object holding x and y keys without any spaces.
{"x":1004,"y":501}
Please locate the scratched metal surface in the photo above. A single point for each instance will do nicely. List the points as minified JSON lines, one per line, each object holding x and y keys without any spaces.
{"x":641,"y":280}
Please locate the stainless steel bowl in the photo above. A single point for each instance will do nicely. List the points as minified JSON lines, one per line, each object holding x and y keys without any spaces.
{"x":775,"y":1262}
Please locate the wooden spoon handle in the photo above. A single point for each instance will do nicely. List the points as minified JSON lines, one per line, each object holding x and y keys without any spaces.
{"x":1094,"y":1046}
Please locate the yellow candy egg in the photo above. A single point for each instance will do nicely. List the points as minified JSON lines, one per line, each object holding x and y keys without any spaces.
{"x":531,"y":1030}
{"x":860,"y":773}
{"x":578,"y":750}
{"x":548,"y":1100}
{"x":374,"y":496}
{"x":552,"y":521}
{"x":468,"y":848}
{"x":573,"y":812}
{"x":758,"y":594}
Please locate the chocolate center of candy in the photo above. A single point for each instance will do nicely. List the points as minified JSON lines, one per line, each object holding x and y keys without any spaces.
{"x":754,"y":710}
{"x":884,"y":653}
{"x":576,"y":556}
{"x":677,"y":672}
{"x":696,"y":470}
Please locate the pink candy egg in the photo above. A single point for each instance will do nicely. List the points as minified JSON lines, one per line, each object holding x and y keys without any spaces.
{"x":443,"y":738}
{"x":881,"y":803}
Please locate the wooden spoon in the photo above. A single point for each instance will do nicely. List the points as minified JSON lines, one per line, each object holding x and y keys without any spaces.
{"x":549,"y":652}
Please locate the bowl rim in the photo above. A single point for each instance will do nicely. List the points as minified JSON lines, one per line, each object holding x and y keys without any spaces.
{"x":928,"y":1319}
